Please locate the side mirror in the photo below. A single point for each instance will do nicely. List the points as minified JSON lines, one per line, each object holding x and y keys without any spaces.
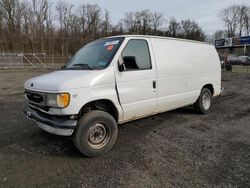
{"x":127,"y":63}
{"x":121,"y":66}
{"x":130,"y":62}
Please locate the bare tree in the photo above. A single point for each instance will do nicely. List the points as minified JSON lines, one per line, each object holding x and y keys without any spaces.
{"x":40,"y":10}
{"x":64,"y":13}
{"x":191,"y":30}
{"x":146,"y":21}
{"x":157,"y":21}
{"x":139,"y":22}
{"x":93,"y":20}
{"x":247,"y":21}
{"x":61,"y":28}
{"x":118,"y":29}
{"x":28,"y":27}
{"x":243,"y":17}
{"x":173,"y":29}
{"x":185,"y":29}
{"x":236,"y":19}
{"x":82,"y":17}
{"x":1,"y":19}
{"x":129,"y":22}
{"x":219,"y":34}
{"x":106,"y":24}
{"x":229,"y":16}
{"x":10,"y":10}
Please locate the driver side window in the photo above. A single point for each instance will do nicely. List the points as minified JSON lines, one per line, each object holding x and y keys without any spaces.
{"x":136,"y":55}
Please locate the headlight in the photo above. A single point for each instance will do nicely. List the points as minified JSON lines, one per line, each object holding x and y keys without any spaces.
{"x":60,"y":100}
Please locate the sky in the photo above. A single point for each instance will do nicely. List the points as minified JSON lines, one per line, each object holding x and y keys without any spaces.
{"x":205,"y":13}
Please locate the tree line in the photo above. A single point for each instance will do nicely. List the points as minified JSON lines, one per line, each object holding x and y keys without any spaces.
{"x":236,"y":19}
{"x":61,"y":28}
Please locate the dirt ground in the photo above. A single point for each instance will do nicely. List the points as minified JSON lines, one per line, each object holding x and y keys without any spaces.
{"x":173,"y":149}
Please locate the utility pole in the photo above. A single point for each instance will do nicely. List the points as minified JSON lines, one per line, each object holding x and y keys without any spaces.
{"x":245,"y":49}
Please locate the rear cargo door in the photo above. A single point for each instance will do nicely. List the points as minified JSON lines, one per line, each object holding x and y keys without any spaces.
{"x":137,"y":84}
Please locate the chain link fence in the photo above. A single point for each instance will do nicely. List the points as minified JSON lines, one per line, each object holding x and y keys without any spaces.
{"x":31,"y":61}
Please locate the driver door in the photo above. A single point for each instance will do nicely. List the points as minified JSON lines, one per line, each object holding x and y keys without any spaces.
{"x":136,"y":82}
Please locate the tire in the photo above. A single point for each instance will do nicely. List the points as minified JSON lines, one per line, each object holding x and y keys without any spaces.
{"x":204,"y":102}
{"x":95,"y":134}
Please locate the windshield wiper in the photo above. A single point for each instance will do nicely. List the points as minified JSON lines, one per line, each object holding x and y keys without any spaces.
{"x":83,"y":65}
{"x":78,"y":66}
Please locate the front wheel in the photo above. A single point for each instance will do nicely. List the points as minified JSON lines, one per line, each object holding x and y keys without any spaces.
{"x":203,"y":103}
{"x":96,"y":133}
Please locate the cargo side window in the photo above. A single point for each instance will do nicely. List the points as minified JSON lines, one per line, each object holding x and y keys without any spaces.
{"x":136,"y":55}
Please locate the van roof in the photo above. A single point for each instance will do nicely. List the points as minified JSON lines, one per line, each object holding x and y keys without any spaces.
{"x":161,"y":37}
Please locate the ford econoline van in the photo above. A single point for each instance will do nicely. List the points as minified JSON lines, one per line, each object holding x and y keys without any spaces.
{"x":118,"y":79}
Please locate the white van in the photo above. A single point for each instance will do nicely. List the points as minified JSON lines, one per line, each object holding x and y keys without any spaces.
{"x":119,"y":79}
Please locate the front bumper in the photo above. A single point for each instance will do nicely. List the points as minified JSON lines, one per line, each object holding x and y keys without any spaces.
{"x":58,"y":125}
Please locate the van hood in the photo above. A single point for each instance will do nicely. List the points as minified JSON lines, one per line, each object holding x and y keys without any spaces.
{"x":64,"y":80}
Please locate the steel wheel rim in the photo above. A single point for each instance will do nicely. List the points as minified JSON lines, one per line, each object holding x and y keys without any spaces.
{"x":206,"y":101}
{"x":98,"y":135}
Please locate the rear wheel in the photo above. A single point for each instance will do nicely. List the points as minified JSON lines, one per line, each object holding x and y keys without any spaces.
{"x":203,"y":103}
{"x":95,"y":133}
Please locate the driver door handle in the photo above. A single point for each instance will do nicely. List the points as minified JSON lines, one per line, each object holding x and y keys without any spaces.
{"x":154,"y":84}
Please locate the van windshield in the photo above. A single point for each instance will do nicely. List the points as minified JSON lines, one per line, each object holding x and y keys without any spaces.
{"x":96,"y":55}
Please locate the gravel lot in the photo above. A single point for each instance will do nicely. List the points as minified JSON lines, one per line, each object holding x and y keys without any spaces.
{"x":173,"y":149}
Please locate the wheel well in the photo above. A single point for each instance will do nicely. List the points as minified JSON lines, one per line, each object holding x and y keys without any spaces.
{"x":104,"y":105}
{"x":210,"y":87}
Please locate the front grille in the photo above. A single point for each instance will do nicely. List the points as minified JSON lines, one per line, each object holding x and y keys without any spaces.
{"x":37,"y":98}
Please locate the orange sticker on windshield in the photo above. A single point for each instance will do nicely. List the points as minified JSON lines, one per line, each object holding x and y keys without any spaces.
{"x":110,"y":47}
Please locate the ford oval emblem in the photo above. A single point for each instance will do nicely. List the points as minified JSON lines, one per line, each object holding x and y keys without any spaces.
{"x":31,"y":84}
{"x":29,"y":114}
